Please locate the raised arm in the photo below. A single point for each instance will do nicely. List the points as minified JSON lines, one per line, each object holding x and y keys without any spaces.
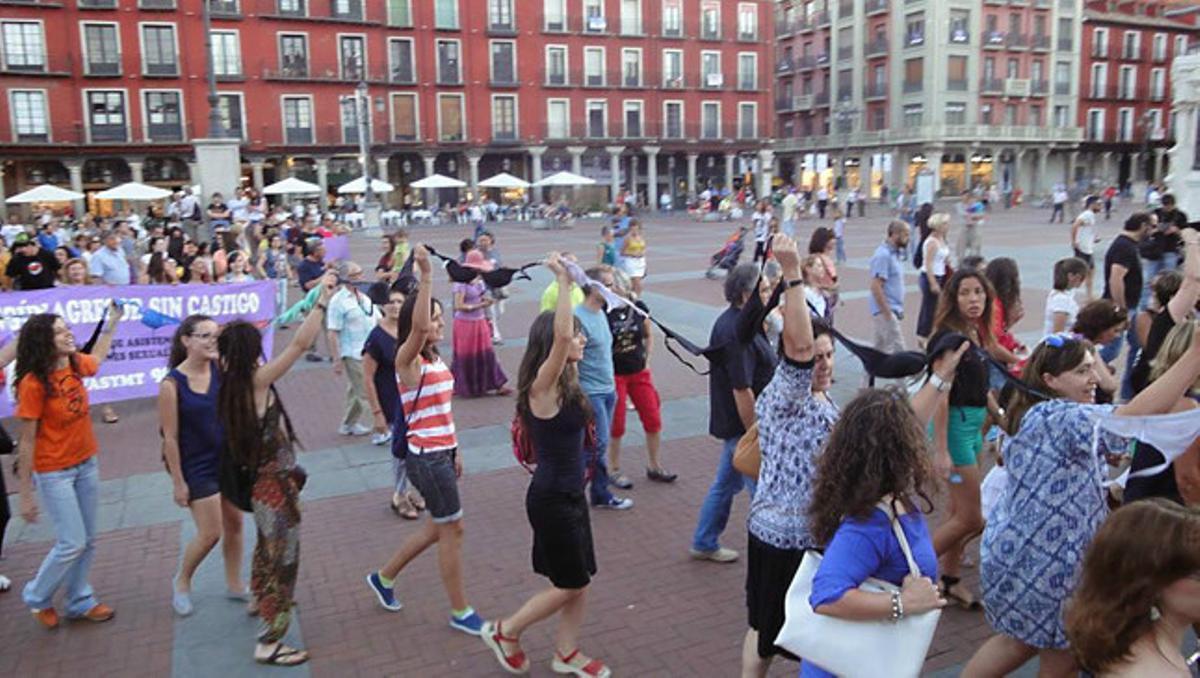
{"x":406,"y":357}
{"x":104,"y":343}
{"x":546,"y":381}
{"x":1185,"y":298}
{"x":8,"y":352}
{"x":797,"y":322}
{"x":283,"y":361}
{"x":1162,"y":393}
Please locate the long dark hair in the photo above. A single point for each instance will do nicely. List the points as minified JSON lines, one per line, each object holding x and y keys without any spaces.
{"x":240,"y":346}
{"x":36,"y":355}
{"x":1005,"y":277}
{"x":820,"y":240}
{"x":949,"y":317}
{"x":185,"y":329}
{"x":404,"y":323}
{"x":156,"y":270}
{"x":1141,"y":549}
{"x":878,"y":447}
{"x":537,"y":349}
{"x":1046,"y":359}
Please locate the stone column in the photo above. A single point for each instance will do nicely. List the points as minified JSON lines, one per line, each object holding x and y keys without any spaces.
{"x":1042,"y":186}
{"x":899,"y":178}
{"x":1072,"y":161}
{"x":633,"y":174}
{"x":256,"y":174}
{"x":75,"y":170}
{"x":430,"y":195}
{"x":323,"y":181}
{"x":730,"y":159}
{"x":1159,"y":154}
{"x":766,"y":163}
{"x":996,"y":153}
{"x":933,"y":162}
{"x":651,"y":176}
{"x":576,"y":158}
{"x":381,"y":170}
{"x":1106,"y":167}
{"x":614,"y":166}
{"x":194,"y":174}
{"x":535,"y":155}
{"x":3,"y":194}
{"x":691,"y":174}
{"x":135,"y":169}
{"x":473,"y":172}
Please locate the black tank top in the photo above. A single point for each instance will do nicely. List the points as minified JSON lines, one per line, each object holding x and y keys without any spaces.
{"x":558,"y":444}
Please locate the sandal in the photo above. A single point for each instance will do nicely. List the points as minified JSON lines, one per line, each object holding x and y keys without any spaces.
{"x":660,"y":475}
{"x":417,"y":501}
{"x":111,"y":417}
{"x":575,"y":664}
{"x":516,"y":662}
{"x":405,"y":509}
{"x":283,"y":655}
{"x":961,"y":597}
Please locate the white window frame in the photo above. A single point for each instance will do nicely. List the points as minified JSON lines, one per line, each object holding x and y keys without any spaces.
{"x":1158,"y":83}
{"x":747,"y":9}
{"x":641,"y":65}
{"x":1137,"y":44}
{"x":512,"y":14}
{"x":681,"y":76}
{"x":1128,"y":133}
{"x":241,"y":98}
{"x":566,"y":63}
{"x":641,"y":20}
{"x":84,"y":46}
{"x":145,"y":112}
{"x":457,"y":16}
{"x":704,"y":75}
{"x":1100,"y":37}
{"x":516,"y":113}
{"x":1099,"y":80}
{"x":142,"y":26}
{"x":87,"y":116}
{"x":280,"y":35}
{"x":592,"y":49}
{"x":12,"y":112}
{"x":754,"y":59}
{"x":237,"y":41}
{"x":462,"y":107}
{"x":703,"y":104}
{"x":388,"y":14}
{"x":515,"y":60}
{"x":566,"y":121}
{"x":412,"y":52}
{"x":1156,"y":117}
{"x":1094,"y":133}
{"x":352,"y":96}
{"x":678,"y":32}
{"x":682,"y":118}
{"x":1181,"y":45}
{"x":41,"y":30}
{"x":562,"y":5}
{"x":1122,"y":91}
{"x":587,"y":118}
{"x":700,"y":27}
{"x":312,"y":116}
{"x":744,"y":105}
{"x":438,"y":62}
{"x":416,"y":97}
{"x":626,"y":106}
{"x":366,"y":54}
{"x":307,"y":8}
{"x":1158,"y":48}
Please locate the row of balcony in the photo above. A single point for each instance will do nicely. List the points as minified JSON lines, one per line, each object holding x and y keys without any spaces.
{"x":800,"y":24}
{"x":1106,"y":51}
{"x":1066,"y":4}
{"x":1009,"y":87}
{"x":1133,"y":134}
{"x":965,"y":134}
{"x":1126,"y":92}
{"x":1014,"y":40}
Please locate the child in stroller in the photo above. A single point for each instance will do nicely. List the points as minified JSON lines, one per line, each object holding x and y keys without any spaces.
{"x":727,"y":257}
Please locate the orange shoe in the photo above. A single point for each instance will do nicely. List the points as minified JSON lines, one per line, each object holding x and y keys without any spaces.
{"x":99,"y":613}
{"x":47,"y":617}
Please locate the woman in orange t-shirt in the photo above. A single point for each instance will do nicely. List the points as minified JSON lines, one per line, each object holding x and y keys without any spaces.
{"x":57,"y":454}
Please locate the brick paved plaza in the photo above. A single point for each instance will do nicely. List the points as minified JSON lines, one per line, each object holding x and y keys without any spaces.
{"x":652,"y":611}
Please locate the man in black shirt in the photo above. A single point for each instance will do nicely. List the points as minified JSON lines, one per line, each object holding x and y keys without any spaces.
{"x":308,"y":275}
{"x":1162,"y":247}
{"x":31,"y":267}
{"x":1123,"y":286}
{"x":736,"y":377}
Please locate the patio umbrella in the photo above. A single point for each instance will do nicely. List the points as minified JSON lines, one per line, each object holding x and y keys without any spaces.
{"x":133,"y":191}
{"x":359,"y":185}
{"x":438,"y":181}
{"x":565,"y":179}
{"x":504,"y":180}
{"x":289,"y":186}
{"x":45,"y":193}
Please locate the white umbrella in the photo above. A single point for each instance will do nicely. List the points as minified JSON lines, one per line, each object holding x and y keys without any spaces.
{"x":289,"y":186}
{"x":359,"y":185}
{"x":133,"y":191}
{"x":45,"y":193}
{"x":438,"y":181}
{"x":504,"y":180}
{"x":565,"y":179}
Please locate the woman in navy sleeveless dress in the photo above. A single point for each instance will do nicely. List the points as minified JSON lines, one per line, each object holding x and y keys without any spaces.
{"x":192,"y":440}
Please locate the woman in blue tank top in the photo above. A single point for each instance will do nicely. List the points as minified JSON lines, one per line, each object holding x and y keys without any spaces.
{"x":192,"y":439}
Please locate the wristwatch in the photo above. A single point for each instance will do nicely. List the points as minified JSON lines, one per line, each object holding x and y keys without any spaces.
{"x":940,"y":384}
{"x":793,"y":283}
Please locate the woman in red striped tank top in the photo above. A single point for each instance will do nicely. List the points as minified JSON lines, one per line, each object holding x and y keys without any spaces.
{"x":432,"y":459}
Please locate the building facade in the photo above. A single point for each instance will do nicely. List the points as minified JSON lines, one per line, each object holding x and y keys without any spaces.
{"x":977,"y":92}
{"x":651,"y":95}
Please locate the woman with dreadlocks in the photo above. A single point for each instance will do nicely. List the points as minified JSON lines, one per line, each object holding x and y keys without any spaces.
{"x":259,"y":436}
{"x":57,"y":454}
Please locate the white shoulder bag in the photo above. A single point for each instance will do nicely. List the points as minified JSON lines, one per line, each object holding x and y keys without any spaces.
{"x":856,"y":649}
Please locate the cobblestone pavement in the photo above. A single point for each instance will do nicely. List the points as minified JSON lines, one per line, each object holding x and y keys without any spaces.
{"x":652,"y":611}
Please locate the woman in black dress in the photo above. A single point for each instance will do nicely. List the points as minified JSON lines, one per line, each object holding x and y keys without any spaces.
{"x":554,"y":410}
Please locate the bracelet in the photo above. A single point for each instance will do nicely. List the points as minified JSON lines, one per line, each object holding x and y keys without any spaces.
{"x":897,"y":606}
{"x":793,"y":283}
{"x":324,"y":308}
{"x":940,"y":384}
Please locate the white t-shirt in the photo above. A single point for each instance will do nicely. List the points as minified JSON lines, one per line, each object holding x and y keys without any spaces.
{"x":762,"y":225}
{"x":1061,"y":197}
{"x":1060,"y":302}
{"x":1085,"y":237}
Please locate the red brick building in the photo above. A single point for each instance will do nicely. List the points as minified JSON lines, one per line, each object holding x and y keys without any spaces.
{"x":647,"y":94}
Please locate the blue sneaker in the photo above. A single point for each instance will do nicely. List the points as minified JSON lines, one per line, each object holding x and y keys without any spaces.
{"x":385,"y":594}
{"x":470,"y":623}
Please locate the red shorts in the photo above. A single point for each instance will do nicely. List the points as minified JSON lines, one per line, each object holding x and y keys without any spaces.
{"x":640,"y":388}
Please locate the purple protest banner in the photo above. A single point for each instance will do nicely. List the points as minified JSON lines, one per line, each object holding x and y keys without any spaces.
{"x":337,"y":248}
{"x":138,"y":359}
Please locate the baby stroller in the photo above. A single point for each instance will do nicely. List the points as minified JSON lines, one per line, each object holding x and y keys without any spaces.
{"x":727,"y":257}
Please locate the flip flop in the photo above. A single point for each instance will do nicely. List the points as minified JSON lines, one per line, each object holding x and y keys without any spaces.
{"x":405,"y":510}
{"x":281,"y":656}
{"x":417,"y":501}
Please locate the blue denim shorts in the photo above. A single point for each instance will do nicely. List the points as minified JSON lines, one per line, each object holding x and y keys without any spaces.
{"x":432,"y":473}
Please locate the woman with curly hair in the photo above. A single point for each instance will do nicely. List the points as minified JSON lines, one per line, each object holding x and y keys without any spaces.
{"x":1139,"y":591}
{"x":259,"y":435}
{"x":1054,"y":502}
{"x":57,"y":454}
{"x":872,"y":473}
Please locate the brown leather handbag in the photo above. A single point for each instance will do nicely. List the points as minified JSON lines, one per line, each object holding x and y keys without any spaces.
{"x":747,"y":457}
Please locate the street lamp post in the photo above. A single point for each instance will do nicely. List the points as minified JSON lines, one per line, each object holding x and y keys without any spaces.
{"x":362,"y":109}
{"x":845,"y":114}
{"x":216,"y":128}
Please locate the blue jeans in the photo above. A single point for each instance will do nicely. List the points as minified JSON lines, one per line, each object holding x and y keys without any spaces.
{"x":841,"y":249}
{"x":70,"y":499}
{"x":602,"y":410}
{"x":714,"y":512}
{"x":1151,"y":268}
{"x":1135,"y":348}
